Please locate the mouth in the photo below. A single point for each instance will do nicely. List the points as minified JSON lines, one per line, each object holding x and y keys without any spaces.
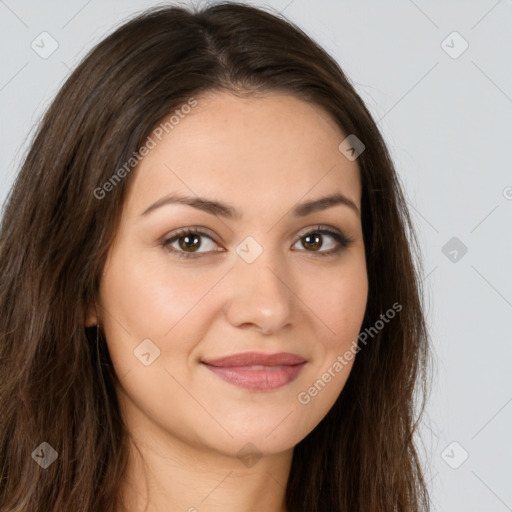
{"x":257,"y":371}
{"x":257,"y":358}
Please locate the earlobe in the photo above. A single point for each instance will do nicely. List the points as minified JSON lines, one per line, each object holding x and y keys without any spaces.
{"x":91,"y":317}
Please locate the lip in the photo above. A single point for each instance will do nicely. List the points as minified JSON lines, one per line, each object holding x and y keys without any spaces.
{"x":257,"y":371}
{"x":257,"y":358}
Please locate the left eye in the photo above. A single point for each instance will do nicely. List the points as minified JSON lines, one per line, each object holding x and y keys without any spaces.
{"x":315,"y":239}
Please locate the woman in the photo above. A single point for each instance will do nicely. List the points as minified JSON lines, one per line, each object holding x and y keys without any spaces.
{"x":209,"y":298}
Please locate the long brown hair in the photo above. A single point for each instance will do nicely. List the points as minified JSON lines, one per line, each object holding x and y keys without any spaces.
{"x":57,"y":384}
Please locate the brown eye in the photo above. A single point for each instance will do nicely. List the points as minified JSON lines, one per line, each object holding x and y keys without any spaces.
{"x":187,"y":242}
{"x":314,"y":240}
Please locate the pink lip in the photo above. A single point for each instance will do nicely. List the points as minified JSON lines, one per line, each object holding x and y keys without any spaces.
{"x":280,"y":369}
{"x":257,"y":358}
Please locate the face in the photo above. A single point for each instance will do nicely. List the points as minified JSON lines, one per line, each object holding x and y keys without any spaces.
{"x":263,"y":273}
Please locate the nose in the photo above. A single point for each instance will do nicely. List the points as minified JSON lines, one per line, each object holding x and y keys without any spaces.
{"x":261,"y":295}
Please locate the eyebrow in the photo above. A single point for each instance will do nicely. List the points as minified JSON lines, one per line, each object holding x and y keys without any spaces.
{"x":223,"y":210}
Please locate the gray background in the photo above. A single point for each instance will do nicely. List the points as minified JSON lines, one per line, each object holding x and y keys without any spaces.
{"x":447,"y":120}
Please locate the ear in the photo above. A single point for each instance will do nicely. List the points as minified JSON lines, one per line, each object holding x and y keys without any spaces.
{"x":91,"y":318}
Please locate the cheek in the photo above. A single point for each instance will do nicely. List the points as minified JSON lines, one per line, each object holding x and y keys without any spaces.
{"x":339,"y":302}
{"x":339,"y":313}
{"x":150,"y":297}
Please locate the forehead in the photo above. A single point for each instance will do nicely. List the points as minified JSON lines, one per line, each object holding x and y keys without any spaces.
{"x":258,"y":149}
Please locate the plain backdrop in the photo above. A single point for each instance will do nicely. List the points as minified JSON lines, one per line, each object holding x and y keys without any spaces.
{"x":437,"y":77}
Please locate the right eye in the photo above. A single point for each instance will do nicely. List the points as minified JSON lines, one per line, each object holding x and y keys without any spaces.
{"x":186,"y":243}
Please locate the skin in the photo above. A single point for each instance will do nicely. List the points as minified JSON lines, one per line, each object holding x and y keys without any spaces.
{"x":262,"y":155}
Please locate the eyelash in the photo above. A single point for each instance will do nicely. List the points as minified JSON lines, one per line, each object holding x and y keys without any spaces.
{"x":342,"y":240}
